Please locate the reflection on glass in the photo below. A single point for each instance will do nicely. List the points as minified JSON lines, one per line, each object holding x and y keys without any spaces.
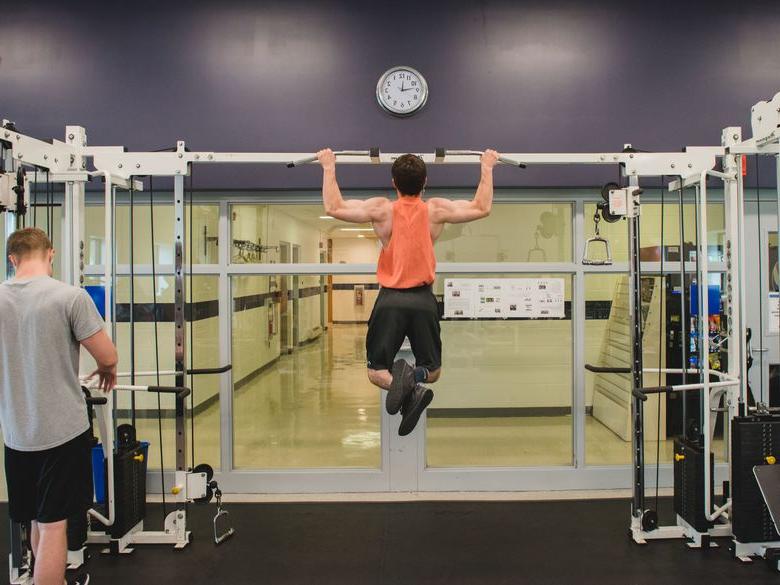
{"x":201,"y":242}
{"x":608,"y":396}
{"x":513,"y":232}
{"x":301,"y":395}
{"x":516,"y":232}
{"x":50,"y":221}
{"x":650,"y":236}
{"x":504,"y":398}
{"x":265,"y":233}
{"x":154,"y":344}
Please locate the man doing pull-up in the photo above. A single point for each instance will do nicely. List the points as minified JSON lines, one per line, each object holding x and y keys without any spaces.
{"x":406,"y":306}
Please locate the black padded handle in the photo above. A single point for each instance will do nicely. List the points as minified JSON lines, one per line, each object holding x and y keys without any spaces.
{"x":180,"y":391}
{"x":657,"y":389}
{"x":607,"y":369}
{"x":206,"y":371}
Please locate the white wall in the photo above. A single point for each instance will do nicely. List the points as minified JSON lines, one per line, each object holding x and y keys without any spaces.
{"x":350,"y":250}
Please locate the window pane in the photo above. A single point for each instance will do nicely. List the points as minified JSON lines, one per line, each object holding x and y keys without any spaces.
{"x":513,"y":232}
{"x":258,"y":233}
{"x":516,"y":232}
{"x":301,"y":396}
{"x":204,"y":245}
{"x":607,"y":343}
{"x":650,"y":235}
{"x":155,"y":345}
{"x":505,"y":390}
{"x":50,"y":221}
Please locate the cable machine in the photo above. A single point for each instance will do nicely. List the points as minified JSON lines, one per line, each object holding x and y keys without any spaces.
{"x":693,"y":166}
{"x":119,"y":523}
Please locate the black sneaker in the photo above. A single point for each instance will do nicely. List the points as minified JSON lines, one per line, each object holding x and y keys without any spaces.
{"x":82,"y":579}
{"x":413,"y":407}
{"x":403,"y":384}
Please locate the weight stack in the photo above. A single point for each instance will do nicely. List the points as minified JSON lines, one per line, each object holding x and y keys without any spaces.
{"x":130,"y":488}
{"x":753,"y":438}
{"x":689,"y":483}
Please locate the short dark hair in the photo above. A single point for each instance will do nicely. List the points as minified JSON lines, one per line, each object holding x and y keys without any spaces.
{"x":26,"y":241}
{"x":409,"y":174}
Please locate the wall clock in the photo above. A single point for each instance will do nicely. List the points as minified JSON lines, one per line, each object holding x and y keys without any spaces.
{"x":402,"y":91}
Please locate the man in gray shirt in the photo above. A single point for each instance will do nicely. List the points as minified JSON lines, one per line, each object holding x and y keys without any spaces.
{"x":43,"y":324}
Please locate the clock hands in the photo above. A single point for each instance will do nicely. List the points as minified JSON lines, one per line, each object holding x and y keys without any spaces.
{"x":402,"y":85}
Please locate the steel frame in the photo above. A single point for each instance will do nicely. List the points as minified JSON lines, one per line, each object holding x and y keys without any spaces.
{"x":76,"y":163}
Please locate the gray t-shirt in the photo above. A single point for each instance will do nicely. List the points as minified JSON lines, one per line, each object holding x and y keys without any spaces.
{"x":42,"y":322}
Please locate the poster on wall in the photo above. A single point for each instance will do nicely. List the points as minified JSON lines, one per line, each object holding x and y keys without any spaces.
{"x":458,"y":298}
{"x":504,"y":298}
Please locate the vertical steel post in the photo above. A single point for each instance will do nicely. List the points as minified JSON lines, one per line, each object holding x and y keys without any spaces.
{"x":180,"y":336}
{"x":733,"y":205}
{"x":7,"y":165}
{"x":73,"y":213}
{"x":777,"y":186}
{"x":225,"y":341}
{"x":684,"y":312}
{"x":635,"y":319}
{"x":578,"y":338}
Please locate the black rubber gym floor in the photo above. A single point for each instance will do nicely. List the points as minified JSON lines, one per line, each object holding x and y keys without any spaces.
{"x":539,"y":543}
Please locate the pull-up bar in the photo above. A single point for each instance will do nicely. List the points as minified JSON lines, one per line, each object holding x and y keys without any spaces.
{"x":442,"y":153}
{"x":372,"y":153}
{"x":439,"y":156}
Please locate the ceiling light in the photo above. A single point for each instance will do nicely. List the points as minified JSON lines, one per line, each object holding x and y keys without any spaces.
{"x":357,"y":229}
{"x":326,"y":217}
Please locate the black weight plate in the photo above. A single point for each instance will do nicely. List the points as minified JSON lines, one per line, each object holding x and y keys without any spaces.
{"x":606,"y":189}
{"x":649,"y":520}
{"x":125,"y":435}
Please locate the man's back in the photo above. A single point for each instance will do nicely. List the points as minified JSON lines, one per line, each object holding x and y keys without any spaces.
{"x":42,"y":322}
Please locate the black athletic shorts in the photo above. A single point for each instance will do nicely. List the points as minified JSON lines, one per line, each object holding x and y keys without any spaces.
{"x":399,"y":313}
{"x":51,"y":485}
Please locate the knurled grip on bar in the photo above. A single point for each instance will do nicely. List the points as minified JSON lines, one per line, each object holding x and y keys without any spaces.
{"x":373,"y":153}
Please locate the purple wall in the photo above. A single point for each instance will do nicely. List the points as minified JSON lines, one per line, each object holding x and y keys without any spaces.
{"x":519,"y":76}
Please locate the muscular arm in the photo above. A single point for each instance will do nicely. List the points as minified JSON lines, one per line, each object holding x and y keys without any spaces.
{"x":447,"y":211}
{"x":102,"y":349}
{"x":373,"y":210}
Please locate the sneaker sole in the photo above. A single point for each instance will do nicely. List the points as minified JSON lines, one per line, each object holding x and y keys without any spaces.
{"x":395,"y":396}
{"x":410,"y":422}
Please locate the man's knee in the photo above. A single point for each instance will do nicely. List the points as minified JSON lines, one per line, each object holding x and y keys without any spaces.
{"x":434,"y":375}
{"x":52,"y":527}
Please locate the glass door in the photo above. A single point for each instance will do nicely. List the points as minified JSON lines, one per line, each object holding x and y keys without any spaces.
{"x":761,"y":301}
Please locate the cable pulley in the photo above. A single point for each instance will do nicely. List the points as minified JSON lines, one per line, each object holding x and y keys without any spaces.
{"x":603,"y":206}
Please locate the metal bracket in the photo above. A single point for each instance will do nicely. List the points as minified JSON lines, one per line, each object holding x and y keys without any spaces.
{"x":765,"y":121}
{"x":586,"y":255}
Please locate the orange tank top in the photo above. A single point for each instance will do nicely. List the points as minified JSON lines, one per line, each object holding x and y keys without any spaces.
{"x":408,"y":260}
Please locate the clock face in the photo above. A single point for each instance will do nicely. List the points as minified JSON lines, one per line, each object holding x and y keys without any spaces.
{"x":402,"y":91}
